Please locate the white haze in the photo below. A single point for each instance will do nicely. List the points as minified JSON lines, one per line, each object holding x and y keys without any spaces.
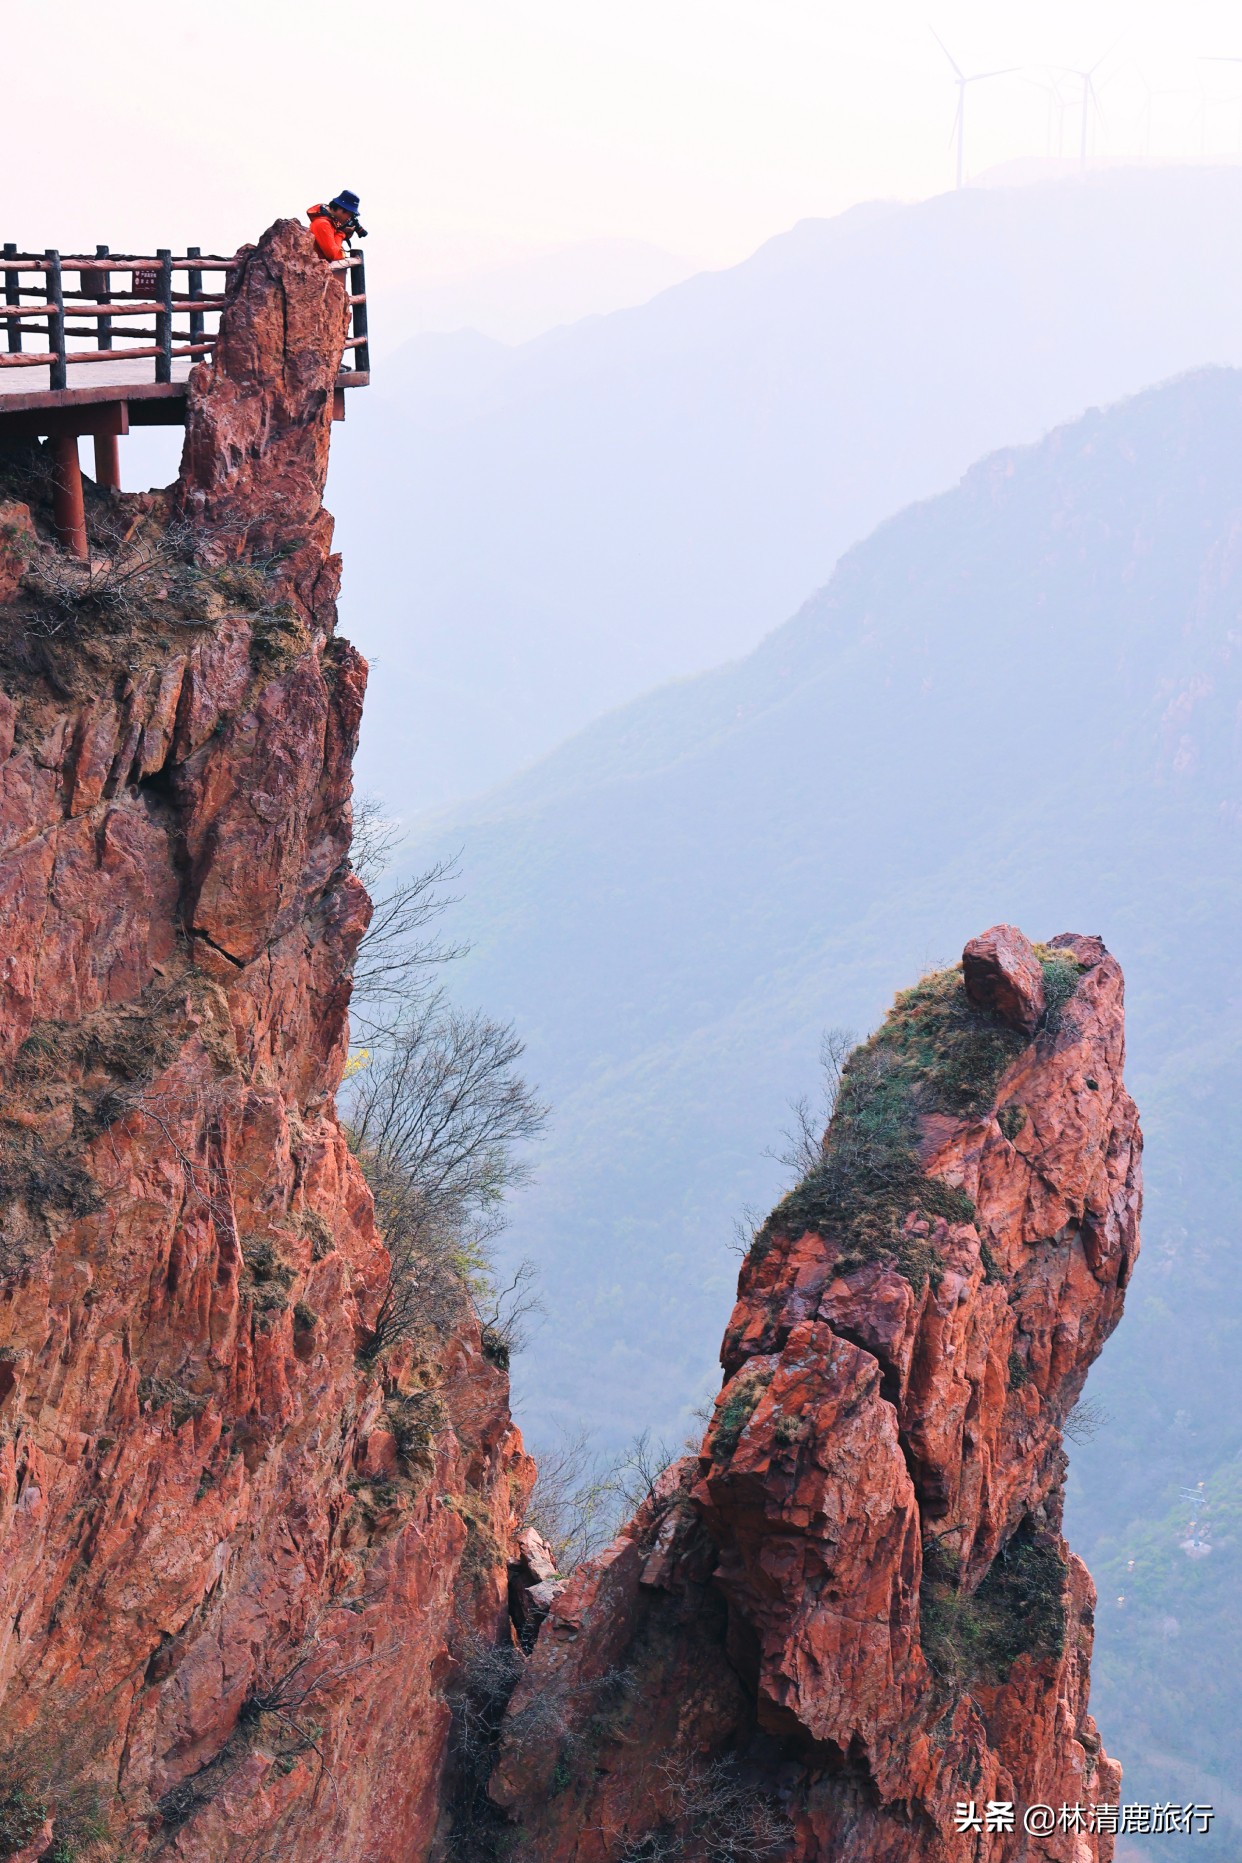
{"x":534,"y":536}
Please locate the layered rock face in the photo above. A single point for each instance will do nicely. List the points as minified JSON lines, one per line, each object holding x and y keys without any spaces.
{"x":247,"y":1560}
{"x":854,"y":1611}
{"x":238,"y":1557}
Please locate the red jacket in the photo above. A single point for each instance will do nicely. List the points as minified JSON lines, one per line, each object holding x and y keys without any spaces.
{"x":329,"y":240}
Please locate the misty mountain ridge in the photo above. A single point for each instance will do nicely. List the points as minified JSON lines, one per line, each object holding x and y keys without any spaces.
{"x":646,"y":494}
{"x":518,"y":300}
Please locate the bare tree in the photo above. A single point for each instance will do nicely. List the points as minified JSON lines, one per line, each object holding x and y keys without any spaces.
{"x":582,"y":1497}
{"x":398,"y":956}
{"x":442,"y":1105}
{"x":285,"y":1697}
{"x":505,"y":1311}
{"x":715,"y":1812}
{"x":636,"y":1470}
{"x":746,"y":1227}
{"x":804,"y":1140}
{"x":374,"y":839}
{"x":437,"y":1113}
{"x":1085,"y":1421}
{"x":573,"y":1502}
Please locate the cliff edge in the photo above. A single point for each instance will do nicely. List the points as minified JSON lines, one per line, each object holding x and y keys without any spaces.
{"x":237,"y":1553}
{"x":853,"y":1612}
{"x":256,"y":1564}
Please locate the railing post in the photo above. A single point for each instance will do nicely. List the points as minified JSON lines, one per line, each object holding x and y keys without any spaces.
{"x":163,"y":317}
{"x":197,"y":321}
{"x":13,"y":295}
{"x":358,"y":288}
{"x":56,"y":315}
{"x":104,"y":283}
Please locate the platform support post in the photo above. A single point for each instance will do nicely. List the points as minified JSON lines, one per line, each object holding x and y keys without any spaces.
{"x":68,"y":509}
{"x":107,"y":462}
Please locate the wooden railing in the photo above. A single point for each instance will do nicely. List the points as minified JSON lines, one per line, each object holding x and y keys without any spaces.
{"x":92,"y":321}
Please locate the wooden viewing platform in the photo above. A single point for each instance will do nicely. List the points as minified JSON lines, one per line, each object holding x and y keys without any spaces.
{"x":95,"y":345}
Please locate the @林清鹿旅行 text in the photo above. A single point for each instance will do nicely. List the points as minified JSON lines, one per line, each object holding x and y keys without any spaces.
{"x":999,"y":1814}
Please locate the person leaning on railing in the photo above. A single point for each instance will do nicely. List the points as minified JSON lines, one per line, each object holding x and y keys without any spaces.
{"x":336,"y":224}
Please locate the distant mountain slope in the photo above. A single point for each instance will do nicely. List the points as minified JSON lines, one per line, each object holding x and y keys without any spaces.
{"x":1021,"y":701}
{"x":517,"y":301}
{"x":538,"y":536}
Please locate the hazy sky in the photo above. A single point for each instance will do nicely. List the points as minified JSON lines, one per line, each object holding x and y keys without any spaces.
{"x":479,"y":130}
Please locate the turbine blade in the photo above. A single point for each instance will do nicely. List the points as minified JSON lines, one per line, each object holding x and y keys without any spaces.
{"x":1108,"y":54}
{"x":944,"y":48}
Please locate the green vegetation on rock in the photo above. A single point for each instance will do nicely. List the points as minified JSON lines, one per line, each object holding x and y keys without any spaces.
{"x":737,"y":1410}
{"x":934,"y":1053}
{"x":1018,"y":1610}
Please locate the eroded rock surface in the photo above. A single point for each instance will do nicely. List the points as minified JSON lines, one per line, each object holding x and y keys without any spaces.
{"x":1001,"y":972}
{"x":854,"y":1610}
{"x":238,"y":1558}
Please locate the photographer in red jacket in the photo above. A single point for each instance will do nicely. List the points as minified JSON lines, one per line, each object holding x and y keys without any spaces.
{"x":335,"y":225}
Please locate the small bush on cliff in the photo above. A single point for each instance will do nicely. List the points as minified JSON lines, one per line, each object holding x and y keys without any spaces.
{"x":737,"y":1410}
{"x":47,"y":1776}
{"x":487,"y":1675}
{"x":1011,"y":1120}
{"x":1061,"y":973}
{"x":414,"y":1419}
{"x":137,"y":564}
{"x":710,"y":1810}
{"x":23,"y":1813}
{"x":281,"y":1702}
{"x":1019,"y":1609}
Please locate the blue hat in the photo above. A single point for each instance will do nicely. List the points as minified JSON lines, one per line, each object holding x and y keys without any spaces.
{"x":347,"y":200}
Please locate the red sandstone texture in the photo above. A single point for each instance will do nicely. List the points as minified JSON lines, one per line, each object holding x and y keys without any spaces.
{"x":244,"y":1569}
{"x":853,"y":1610}
{"x":238,"y":1562}
{"x":1001,"y":972}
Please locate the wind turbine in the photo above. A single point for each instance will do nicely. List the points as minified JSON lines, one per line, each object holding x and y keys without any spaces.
{"x":1089,"y":98}
{"x":975,"y":77}
{"x":1056,"y":111}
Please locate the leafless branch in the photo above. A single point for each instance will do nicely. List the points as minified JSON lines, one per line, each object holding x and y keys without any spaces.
{"x":804,"y":1140}
{"x":504,"y":1311}
{"x":573,"y":1503}
{"x":397,"y":958}
{"x":1085,"y":1421}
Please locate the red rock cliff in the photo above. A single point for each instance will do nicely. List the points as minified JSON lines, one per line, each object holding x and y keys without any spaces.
{"x":236,"y":1559}
{"x":854,"y":1610}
